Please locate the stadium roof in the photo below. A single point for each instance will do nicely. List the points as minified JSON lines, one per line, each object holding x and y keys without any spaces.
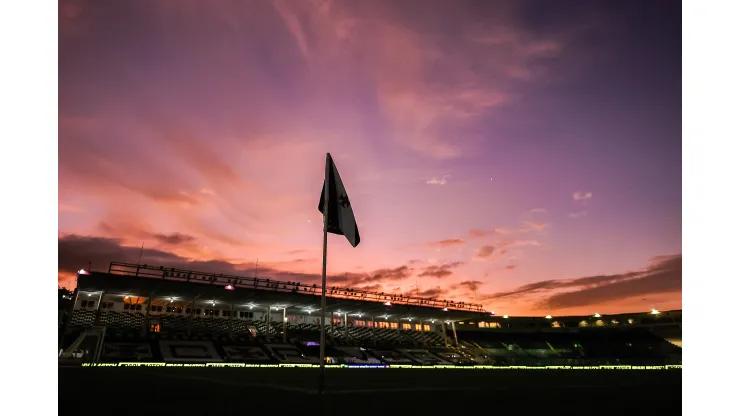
{"x":143,"y":280}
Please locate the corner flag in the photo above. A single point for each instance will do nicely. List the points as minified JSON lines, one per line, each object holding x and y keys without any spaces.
{"x":340,"y":218}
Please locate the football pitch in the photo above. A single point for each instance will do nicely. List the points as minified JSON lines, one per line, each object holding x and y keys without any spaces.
{"x":226,"y":391}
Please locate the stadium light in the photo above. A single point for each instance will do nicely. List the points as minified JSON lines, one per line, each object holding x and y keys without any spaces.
{"x":654,"y":312}
{"x":82,"y":271}
{"x":444,"y":309}
{"x":493,"y":313}
{"x":548,"y":317}
{"x":597,"y":315}
{"x":506,"y":316}
{"x":388,"y":303}
{"x":229,"y":287}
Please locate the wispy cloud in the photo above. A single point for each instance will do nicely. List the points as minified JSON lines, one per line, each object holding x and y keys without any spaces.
{"x":582,"y":196}
{"x":437,"y":181}
{"x":452,"y":242}
{"x":535,"y":211}
{"x":578,"y":214}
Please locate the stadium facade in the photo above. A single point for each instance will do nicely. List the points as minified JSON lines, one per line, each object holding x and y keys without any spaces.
{"x":140,"y":313}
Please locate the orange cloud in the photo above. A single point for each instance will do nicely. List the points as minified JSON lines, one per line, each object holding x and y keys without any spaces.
{"x":446,"y":243}
{"x":484,"y":252}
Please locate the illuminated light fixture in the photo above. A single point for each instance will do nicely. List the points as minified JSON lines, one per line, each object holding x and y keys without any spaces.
{"x":388,"y":303}
{"x":229,"y":287}
{"x":125,"y":297}
{"x":444,"y":309}
{"x":506,"y":316}
{"x":654,"y":312}
{"x":596,"y":315}
{"x":493,"y":313}
{"x":82,"y":271}
{"x":213,"y":302}
{"x":548,"y":317}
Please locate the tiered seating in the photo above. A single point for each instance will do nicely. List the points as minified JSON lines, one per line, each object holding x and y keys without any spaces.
{"x":121,"y":319}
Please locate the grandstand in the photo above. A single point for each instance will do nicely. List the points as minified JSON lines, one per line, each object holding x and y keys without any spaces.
{"x":145,"y":314}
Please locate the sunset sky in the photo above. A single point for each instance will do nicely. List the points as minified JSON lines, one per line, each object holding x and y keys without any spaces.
{"x":525,"y":155}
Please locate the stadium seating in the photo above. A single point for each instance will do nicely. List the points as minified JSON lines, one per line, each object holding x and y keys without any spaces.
{"x":185,"y":338}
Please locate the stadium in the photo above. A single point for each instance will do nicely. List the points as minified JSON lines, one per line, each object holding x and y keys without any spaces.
{"x":260,"y":337}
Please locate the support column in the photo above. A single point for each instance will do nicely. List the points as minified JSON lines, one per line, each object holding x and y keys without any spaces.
{"x":331,"y":327}
{"x":231,"y":322}
{"x":145,"y":329}
{"x":285,"y":327}
{"x":454,"y":333}
{"x":97,"y":310}
{"x":444,"y":333}
{"x":190,"y":317}
{"x":373,"y":331}
{"x":268,"y":323}
{"x":346,"y":328}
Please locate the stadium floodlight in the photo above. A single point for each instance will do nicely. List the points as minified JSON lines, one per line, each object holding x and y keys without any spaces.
{"x":596,"y":315}
{"x":82,"y":271}
{"x":229,"y":287}
{"x":388,"y":303}
{"x":493,"y":313}
{"x":506,"y":316}
{"x":444,"y":309}
{"x":548,"y":317}
{"x":654,"y":312}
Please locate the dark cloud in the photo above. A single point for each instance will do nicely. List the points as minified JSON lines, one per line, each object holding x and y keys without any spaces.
{"x":432,"y":293}
{"x":484,"y":252}
{"x":446,"y":243}
{"x":441,"y":271}
{"x":663,"y":275}
{"x":664,"y":278}
{"x":174,"y":238}
{"x":381,"y":275}
{"x":75,"y":252}
{"x":472,"y":285}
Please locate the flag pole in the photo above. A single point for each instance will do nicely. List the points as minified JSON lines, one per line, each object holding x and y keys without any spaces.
{"x":322,"y":344}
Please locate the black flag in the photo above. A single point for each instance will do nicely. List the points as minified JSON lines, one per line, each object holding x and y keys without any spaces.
{"x":340,"y":218}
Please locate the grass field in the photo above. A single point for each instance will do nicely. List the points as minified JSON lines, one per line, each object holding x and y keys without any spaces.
{"x":226,"y":391}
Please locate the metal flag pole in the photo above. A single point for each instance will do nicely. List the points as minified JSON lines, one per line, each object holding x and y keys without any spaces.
{"x":322,"y":344}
